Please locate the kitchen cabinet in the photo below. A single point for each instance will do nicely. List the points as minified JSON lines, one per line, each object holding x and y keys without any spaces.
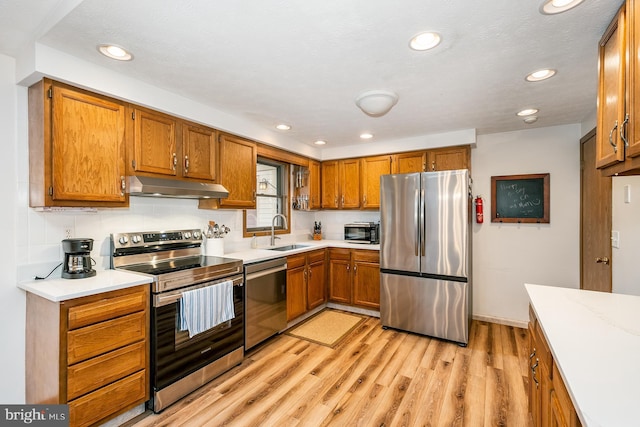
{"x":166,"y":146}
{"x":371,"y":170}
{"x":354,"y":277}
{"x":437,"y":159}
{"x":305,"y":282}
{"x":549,"y":401}
{"x":77,"y":148}
{"x":236,"y":172}
{"x":618,"y":115}
{"x":306,"y":186}
{"x":315,"y":185}
{"x":341,"y":184}
{"x":91,"y":353}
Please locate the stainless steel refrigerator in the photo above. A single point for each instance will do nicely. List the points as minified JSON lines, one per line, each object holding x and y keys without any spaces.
{"x":425,"y":284}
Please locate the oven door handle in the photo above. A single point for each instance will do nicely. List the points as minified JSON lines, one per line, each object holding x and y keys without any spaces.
{"x":171,"y":297}
{"x":261,"y":273}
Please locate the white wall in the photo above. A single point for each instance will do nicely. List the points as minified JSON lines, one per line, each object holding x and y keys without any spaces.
{"x":626,"y":220}
{"x":505,"y":256}
{"x":12,"y":300}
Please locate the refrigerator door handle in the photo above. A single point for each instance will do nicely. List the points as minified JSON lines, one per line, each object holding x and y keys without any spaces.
{"x":421,"y":228}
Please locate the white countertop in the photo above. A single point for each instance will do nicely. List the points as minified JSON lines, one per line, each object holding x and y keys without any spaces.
{"x":595,"y":341}
{"x":261,"y":254}
{"x":58,"y":289}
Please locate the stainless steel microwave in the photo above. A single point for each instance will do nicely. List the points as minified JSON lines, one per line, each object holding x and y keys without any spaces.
{"x":362,"y":232}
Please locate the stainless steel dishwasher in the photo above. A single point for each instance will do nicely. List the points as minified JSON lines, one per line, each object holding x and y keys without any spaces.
{"x":265,"y":300}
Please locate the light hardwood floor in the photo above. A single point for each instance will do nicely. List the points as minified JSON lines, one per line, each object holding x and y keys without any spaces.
{"x":375,"y":377}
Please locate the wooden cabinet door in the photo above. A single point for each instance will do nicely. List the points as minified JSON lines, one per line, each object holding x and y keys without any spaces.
{"x":372,"y":169}
{"x":366,"y":278}
{"x":314,"y":185}
{"x":330,"y":188}
{"x":198,"y":152}
{"x":350,"y":184}
{"x":534,"y":381}
{"x":237,"y":171}
{"x":316,"y":283}
{"x":155,"y":146}
{"x":340,"y":276}
{"x":296,"y":291}
{"x":611,"y":92}
{"x":633,"y":83}
{"x":87,"y":147}
{"x":450,"y":158}
{"x":409,"y":162}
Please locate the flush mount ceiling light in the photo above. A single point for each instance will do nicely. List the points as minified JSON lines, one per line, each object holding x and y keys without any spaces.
{"x":530,"y":119}
{"x":540,"y":75}
{"x":115,"y":52}
{"x":527,"y":112}
{"x":283,"y":126}
{"x":320,"y":142}
{"x":366,"y":135}
{"x":551,"y":7}
{"x":425,"y":41}
{"x":376,"y":103}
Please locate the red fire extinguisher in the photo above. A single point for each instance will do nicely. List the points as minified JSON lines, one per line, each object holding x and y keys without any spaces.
{"x":479,"y":210}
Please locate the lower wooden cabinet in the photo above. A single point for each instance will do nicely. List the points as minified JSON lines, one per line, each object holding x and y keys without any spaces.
{"x":549,"y":401}
{"x":354,"y":277}
{"x":306,"y":284}
{"x":91,"y":353}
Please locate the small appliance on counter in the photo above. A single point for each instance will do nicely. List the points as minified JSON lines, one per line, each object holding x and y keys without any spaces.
{"x":77,"y":259}
{"x":362,"y":232}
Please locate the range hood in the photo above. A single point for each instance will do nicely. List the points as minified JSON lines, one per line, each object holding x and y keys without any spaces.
{"x":161,"y":187}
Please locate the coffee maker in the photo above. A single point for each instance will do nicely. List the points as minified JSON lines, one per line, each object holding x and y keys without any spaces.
{"x":77,"y":259}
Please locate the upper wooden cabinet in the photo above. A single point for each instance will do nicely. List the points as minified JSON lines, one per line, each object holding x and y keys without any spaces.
{"x":618,"y":118}
{"x":315,"y":185}
{"x":165,"y":145}
{"x":237,"y":171}
{"x":76,"y":148}
{"x":341,"y":184}
{"x":372,"y":168}
{"x":437,"y":159}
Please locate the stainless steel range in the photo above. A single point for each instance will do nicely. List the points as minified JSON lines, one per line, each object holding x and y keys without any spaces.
{"x":180,"y":363}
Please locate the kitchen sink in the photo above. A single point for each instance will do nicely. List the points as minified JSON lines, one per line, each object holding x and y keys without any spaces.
{"x":288,"y":247}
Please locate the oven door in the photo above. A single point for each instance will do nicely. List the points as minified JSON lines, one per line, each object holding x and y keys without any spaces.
{"x":175,"y":355}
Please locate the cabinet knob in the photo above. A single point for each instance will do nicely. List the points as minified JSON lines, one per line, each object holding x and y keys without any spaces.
{"x":604,"y":260}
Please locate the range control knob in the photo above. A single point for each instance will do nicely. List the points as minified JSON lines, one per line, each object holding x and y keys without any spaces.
{"x":187,"y":234}
{"x":123,"y":240}
{"x":136,"y":238}
{"x":196,"y":234}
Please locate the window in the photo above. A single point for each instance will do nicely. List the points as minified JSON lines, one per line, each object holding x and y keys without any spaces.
{"x":271,"y":198}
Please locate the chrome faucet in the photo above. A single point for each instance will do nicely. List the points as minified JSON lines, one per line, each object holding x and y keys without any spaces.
{"x":273,"y":230}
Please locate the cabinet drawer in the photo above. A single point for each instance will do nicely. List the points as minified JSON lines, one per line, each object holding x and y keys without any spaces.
{"x":366,"y":256}
{"x":108,"y":400}
{"x":340,"y":253}
{"x":107,"y":308}
{"x":316,"y":256}
{"x":295,"y":261}
{"x":102,"y":337}
{"x":102,"y":370}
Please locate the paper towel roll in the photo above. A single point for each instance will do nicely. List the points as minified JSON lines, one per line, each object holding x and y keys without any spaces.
{"x":214,"y":247}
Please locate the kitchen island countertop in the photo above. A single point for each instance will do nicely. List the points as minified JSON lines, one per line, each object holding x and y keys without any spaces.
{"x":595,"y":341}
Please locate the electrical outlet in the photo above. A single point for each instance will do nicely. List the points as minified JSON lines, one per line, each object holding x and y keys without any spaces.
{"x":68,"y":232}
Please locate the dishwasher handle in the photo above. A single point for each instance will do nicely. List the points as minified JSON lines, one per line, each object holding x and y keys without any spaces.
{"x":260,"y":273}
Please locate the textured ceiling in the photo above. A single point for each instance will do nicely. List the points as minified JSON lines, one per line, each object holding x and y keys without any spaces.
{"x":304,"y":62}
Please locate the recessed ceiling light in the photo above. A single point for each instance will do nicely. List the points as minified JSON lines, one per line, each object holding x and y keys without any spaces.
{"x":551,"y":7}
{"x":425,"y":41}
{"x":283,"y":126}
{"x":320,"y":142}
{"x":115,"y":52}
{"x":527,"y":112}
{"x":539,"y":75}
{"x":530,"y":119}
{"x":366,"y":135}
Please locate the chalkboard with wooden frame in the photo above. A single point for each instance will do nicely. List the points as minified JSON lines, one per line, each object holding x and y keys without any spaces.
{"x":520,"y":198}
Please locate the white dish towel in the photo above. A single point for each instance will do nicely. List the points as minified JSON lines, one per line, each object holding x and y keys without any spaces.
{"x":204,"y":308}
